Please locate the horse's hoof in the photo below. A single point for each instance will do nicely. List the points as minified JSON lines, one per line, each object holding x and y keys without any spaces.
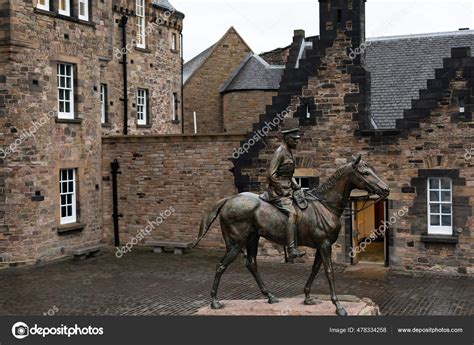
{"x":272,"y":299}
{"x":341,"y":312}
{"x":216,"y":305}
{"x":309,"y":301}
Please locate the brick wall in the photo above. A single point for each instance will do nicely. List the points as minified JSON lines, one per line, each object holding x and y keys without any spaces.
{"x":242,"y":109}
{"x":201,"y":91}
{"x":188,"y":173}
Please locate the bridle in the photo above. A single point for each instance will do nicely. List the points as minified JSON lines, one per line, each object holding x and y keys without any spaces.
{"x":339,"y":211}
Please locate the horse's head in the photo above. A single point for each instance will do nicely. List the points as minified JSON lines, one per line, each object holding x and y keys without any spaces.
{"x":364,"y":178}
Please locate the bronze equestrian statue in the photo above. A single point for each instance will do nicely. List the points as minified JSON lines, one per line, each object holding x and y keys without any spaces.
{"x":245,"y":217}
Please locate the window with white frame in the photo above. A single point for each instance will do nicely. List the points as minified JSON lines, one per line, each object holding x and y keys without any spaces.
{"x":67,"y":185}
{"x":65,"y":85}
{"x":103,"y":103}
{"x":174,"y":106}
{"x":174,"y":41}
{"x":142,"y":106}
{"x":64,"y":7}
{"x":84,"y":9}
{"x":303,"y":182}
{"x":440,"y":210}
{"x":43,"y":5}
{"x":140,"y":12}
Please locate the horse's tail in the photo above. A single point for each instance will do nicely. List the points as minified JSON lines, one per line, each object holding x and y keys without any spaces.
{"x":208,"y":219}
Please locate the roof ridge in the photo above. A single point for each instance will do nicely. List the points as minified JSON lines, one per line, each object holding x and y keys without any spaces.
{"x":423,"y":35}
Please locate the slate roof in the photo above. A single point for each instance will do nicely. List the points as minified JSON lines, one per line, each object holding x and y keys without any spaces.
{"x":254,"y":73}
{"x":400,"y":66}
{"x":163,"y":4}
{"x":192,"y":65}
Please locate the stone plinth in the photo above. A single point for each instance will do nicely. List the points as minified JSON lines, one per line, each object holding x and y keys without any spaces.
{"x":293,"y":307}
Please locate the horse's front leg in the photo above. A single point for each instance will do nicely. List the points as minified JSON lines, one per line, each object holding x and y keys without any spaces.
{"x":314,"y":272}
{"x":327,"y":262}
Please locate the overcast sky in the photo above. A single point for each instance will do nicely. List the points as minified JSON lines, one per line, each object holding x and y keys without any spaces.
{"x":269,"y":24}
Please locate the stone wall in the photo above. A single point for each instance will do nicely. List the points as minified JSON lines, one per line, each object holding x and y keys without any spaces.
{"x":30,"y":207}
{"x":278,"y":56}
{"x":187,"y":173}
{"x":242,"y":109}
{"x":157,"y":68}
{"x":202,"y":90}
{"x":31,"y":44}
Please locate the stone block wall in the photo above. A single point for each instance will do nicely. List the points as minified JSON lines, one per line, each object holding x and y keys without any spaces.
{"x":31,"y":44}
{"x":40,"y":146}
{"x":188,"y":173}
{"x":241,"y":109}
{"x":156,"y":68}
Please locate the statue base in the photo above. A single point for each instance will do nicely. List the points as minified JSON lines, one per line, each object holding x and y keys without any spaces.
{"x":293,"y":307}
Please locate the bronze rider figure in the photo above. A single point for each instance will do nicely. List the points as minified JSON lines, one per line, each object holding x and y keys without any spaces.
{"x":282,"y":185}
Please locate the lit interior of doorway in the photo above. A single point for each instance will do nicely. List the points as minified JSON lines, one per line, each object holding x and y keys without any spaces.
{"x":368,"y":216}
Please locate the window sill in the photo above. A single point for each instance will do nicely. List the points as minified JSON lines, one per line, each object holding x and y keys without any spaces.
{"x":64,"y":17}
{"x":174,"y":51}
{"x":143,"y":50}
{"x":143,"y":126}
{"x":430,"y":238}
{"x":70,"y":121}
{"x":67,"y":229}
{"x":106,"y":125}
{"x":175,"y":122}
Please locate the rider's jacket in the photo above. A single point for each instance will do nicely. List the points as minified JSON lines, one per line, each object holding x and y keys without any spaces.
{"x":280,"y":176}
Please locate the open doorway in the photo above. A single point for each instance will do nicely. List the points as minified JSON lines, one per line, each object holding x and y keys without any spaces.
{"x":368,"y":233}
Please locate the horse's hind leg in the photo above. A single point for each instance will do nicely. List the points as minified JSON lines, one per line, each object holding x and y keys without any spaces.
{"x":325,"y":249}
{"x":233,"y":251}
{"x":252,"y":249}
{"x":314,"y":272}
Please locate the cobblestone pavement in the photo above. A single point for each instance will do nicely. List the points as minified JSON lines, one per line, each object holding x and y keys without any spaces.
{"x":144,"y":283}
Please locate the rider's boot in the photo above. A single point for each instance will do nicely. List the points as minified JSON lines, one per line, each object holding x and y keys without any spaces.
{"x":291,"y":238}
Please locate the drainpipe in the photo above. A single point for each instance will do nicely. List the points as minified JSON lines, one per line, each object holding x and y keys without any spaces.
{"x":182,"y":84}
{"x":115,"y":215}
{"x":124,"y":99}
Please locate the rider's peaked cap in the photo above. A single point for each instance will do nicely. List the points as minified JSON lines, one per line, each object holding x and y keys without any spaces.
{"x":294,"y":133}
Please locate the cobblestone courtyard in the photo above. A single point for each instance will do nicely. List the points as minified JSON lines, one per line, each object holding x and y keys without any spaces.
{"x":143,"y":283}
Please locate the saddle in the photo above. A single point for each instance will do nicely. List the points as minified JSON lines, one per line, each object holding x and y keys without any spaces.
{"x":300,"y":198}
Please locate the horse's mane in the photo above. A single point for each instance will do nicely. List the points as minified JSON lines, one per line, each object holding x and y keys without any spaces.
{"x":329,"y":183}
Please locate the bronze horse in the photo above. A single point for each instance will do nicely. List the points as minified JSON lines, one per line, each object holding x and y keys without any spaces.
{"x":244,"y":218}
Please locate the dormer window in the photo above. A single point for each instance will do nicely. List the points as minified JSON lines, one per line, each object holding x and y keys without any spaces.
{"x":462,"y":108}
{"x":65,"y":7}
{"x":43,"y":5}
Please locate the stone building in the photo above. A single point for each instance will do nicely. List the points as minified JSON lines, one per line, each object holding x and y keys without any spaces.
{"x":227,"y":86}
{"x":405,"y":103}
{"x":62,"y":88}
